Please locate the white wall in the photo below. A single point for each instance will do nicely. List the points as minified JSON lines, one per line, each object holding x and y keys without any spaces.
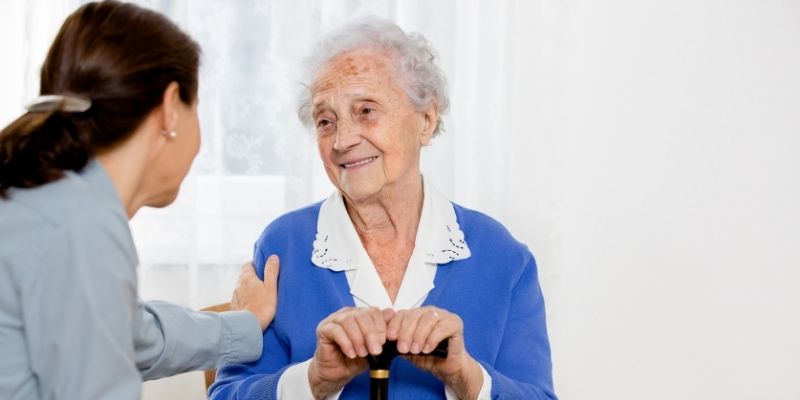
{"x":659,"y":184}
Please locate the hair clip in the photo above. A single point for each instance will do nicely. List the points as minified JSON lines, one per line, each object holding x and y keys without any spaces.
{"x":52,"y":102}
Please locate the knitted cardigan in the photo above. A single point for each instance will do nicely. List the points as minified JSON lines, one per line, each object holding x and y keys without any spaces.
{"x":495,"y":292}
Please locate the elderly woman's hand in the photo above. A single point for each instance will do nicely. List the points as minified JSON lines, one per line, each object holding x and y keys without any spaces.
{"x":344,"y":338}
{"x":419,"y":330}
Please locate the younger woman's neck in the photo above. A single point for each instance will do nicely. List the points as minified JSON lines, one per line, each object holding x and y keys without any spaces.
{"x":126,"y":165}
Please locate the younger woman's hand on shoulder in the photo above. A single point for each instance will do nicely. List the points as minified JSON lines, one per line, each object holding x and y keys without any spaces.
{"x":257,"y":296}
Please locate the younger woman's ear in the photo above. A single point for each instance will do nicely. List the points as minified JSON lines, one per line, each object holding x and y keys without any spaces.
{"x":169,"y":106}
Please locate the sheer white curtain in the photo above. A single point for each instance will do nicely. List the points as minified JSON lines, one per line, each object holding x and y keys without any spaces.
{"x":256,"y":160}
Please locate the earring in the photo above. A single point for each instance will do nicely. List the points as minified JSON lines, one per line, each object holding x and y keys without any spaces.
{"x":171,"y":133}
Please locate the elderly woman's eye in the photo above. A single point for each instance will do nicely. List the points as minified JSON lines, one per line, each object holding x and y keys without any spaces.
{"x":323,"y":123}
{"x":367,"y":111}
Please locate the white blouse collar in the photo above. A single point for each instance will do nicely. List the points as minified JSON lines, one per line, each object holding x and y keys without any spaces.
{"x":439,"y":237}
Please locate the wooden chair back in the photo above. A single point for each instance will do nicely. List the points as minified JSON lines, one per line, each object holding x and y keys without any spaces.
{"x":211,"y":374}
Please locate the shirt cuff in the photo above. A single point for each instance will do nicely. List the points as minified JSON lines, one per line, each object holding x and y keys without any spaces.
{"x":484,"y":394}
{"x":242,"y":339}
{"x":293,"y":384}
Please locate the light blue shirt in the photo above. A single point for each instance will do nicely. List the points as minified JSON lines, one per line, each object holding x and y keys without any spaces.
{"x":71,"y":323}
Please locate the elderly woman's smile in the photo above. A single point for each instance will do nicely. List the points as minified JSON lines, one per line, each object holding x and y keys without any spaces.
{"x":358,"y":163}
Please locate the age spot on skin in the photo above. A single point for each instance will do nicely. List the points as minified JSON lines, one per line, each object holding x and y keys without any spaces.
{"x":350,"y":68}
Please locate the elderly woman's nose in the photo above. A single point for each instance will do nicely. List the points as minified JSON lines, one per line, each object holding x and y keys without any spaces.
{"x":348,"y":135}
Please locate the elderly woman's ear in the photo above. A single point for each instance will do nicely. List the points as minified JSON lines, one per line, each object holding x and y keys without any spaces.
{"x":431,"y":118}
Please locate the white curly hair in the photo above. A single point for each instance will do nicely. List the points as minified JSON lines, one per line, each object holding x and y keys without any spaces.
{"x":413,"y":56}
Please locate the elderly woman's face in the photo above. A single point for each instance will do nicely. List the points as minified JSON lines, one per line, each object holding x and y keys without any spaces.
{"x":368,"y":133}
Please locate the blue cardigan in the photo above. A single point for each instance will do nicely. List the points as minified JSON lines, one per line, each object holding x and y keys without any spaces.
{"x":495,"y":292}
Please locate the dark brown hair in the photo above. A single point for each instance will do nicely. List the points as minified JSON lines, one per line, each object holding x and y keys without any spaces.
{"x":121,"y":57}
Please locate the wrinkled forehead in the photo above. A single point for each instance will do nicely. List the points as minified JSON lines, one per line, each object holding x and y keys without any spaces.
{"x":356,"y":67}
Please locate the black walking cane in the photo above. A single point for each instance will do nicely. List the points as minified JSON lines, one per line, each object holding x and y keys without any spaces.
{"x":379,"y":367}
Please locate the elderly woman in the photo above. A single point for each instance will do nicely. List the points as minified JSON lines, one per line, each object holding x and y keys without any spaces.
{"x":388,"y":257}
